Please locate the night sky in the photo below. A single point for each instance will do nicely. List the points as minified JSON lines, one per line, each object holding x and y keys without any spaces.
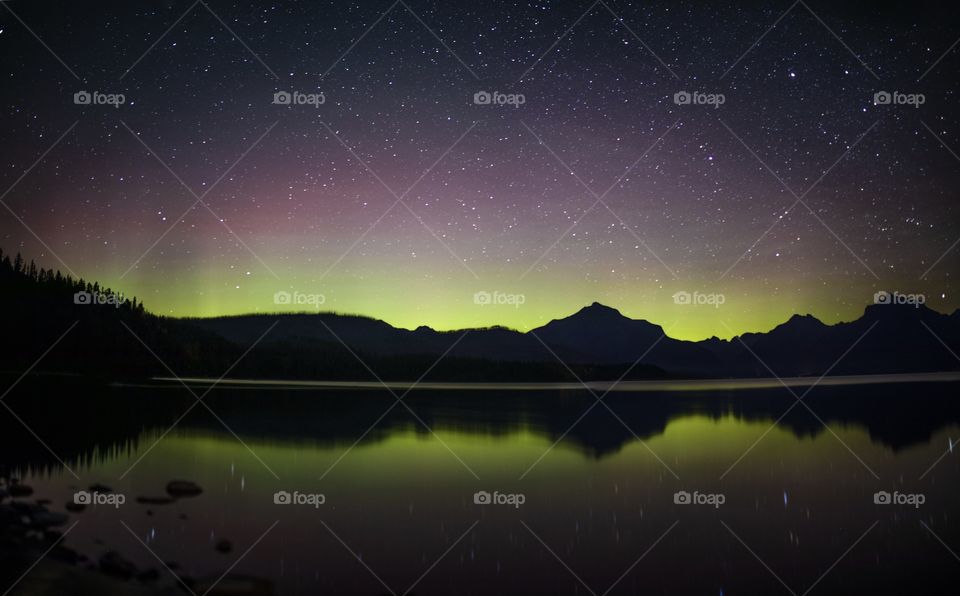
{"x":400,"y":198}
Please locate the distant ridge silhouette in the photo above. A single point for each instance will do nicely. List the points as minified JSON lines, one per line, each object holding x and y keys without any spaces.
{"x":113,"y":336}
{"x":885,"y":339}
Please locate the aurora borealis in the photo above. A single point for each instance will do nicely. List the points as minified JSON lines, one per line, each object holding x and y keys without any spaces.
{"x":399,"y":197}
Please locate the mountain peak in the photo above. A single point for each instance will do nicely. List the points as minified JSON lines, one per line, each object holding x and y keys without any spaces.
{"x":807,"y":318}
{"x":800,"y":324}
{"x":600,"y":310}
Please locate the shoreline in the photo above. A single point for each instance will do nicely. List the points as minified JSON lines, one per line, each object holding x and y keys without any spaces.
{"x":673,"y":385}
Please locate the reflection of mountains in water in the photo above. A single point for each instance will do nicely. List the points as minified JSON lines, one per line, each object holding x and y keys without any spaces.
{"x":99,"y":423}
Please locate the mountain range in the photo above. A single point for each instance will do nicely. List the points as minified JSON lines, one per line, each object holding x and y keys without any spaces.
{"x":81,"y":328}
{"x":887,"y":338}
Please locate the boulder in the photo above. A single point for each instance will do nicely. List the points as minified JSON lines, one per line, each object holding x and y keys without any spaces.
{"x":20,"y":490}
{"x":183,"y":488}
{"x":114,"y":565}
{"x":74,"y":507}
{"x":48,"y":519}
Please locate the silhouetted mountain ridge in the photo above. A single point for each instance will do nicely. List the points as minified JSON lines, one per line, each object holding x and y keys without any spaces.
{"x":885,"y":339}
{"x":114,"y":336}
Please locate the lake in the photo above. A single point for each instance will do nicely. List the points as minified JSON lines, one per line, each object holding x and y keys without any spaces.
{"x":346,"y":491}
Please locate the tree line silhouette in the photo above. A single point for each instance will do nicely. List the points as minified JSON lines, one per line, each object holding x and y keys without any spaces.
{"x":19,"y":272}
{"x":99,"y":327}
{"x":106,"y":335}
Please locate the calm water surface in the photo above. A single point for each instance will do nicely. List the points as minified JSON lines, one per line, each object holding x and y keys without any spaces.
{"x":599,"y":510}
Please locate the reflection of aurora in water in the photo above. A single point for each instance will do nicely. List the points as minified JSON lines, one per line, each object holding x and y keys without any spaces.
{"x":400,"y":497}
{"x":307,"y":416}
